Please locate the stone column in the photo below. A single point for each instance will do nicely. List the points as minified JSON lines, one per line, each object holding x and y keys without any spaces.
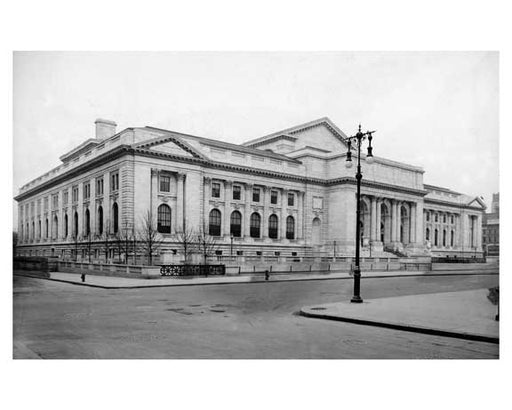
{"x":412,"y":230}
{"x":299,"y":223}
{"x":394,"y":209}
{"x":373,"y":218}
{"x":247,"y":213}
{"x":206,"y":200}
{"x":284,"y":214}
{"x":180,"y":201}
{"x":107,"y":211}
{"x":228,"y":196}
{"x":265,"y":195}
{"x":378,"y":218}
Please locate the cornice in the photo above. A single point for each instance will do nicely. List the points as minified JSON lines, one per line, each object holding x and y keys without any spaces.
{"x":452,"y":204}
{"x":375,"y":184}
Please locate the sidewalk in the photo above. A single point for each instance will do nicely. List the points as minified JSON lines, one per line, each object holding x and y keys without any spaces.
{"x":114,"y":282}
{"x":465,"y":315}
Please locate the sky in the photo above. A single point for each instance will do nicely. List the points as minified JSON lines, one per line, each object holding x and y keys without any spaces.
{"x":437,"y":110}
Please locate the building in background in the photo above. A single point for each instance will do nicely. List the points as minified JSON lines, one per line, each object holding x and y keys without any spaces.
{"x":284,"y":194}
{"x":491,"y":228}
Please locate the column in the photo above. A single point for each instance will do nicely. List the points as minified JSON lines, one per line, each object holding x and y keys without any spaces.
{"x":206,"y":200}
{"x":373,"y":219}
{"x":299,"y":223}
{"x":265,"y":195}
{"x":394,"y":209}
{"x":378,"y":218}
{"x":412,"y":230}
{"x":228,"y":187}
{"x":247,"y":213}
{"x":284,"y":214}
{"x":419,"y":235}
{"x":180,"y":201}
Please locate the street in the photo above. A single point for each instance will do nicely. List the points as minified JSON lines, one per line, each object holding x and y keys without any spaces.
{"x":55,"y":320}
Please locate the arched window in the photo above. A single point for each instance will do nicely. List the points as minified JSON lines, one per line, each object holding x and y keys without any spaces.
{"x":65,"y":226}
{"x":33,"y":230}
{"x":272,"y":226}
{"x":45,"y":228}
{"x":215,"y":221}
{"x":236,"y":224}
{"x":290,"y":228}
{"x":435,"y":237}
{"x":444,"y":237}
{"x":451,"y":238}
{"x":164,"y":219}
{"x":75,"y":228}
{"x":100,"y":220}
{"x":115,"y":216}
{"x":427,"y":234}
{"x":39,"y":232}
{"x":55,"y":227}
{"x":87,"y":222}
{"x":255,"y":225}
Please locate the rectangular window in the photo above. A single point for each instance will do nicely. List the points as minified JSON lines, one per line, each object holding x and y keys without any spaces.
{"x":87,"y":190}
{"x":219,"y":253}
{"x":215,"y":190}
{"x":258,"y":253}
{"x":237,"y":189}
{"x":291,"y":199}
{"x":114,"y":181}
{"x":99,"y":186}
{"x":239,"y":253}
{"x":273,"y":197}
{"x":74,"y":194}
{"x":45,"y":204}
{"x":165,"y":183}
{"x":255,"y":195}
{"x":65,"y":197}
{"x":55,"y":202}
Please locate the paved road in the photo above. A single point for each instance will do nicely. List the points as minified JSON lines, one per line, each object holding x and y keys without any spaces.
{"x":239,"y":321}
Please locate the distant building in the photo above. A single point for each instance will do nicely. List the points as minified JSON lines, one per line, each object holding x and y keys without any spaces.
{"x":285,"y":194}
{"x":491,"y":228}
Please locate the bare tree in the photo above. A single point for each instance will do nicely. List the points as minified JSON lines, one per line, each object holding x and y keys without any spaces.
{"x":105,"y":236}
{"x":149,"y":237}
{"x":206,"y":244}
{"x":124,"y":241}
{"x":188,"y":240}
{"x":77,"y":239}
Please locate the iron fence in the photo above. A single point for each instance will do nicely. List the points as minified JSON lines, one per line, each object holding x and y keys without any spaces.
{"x":192,"y":270}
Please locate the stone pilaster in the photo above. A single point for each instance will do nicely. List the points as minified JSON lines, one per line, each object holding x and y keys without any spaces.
{"x":247,"y":213}
{"x":299,"y":223}
{"x":228,"y":196}
{"x":180,"y":201}
{"x":265,"y":197}
{"x":282,"y":220}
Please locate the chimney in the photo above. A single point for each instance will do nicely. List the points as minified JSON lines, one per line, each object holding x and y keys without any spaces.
{"x":105,"y":128}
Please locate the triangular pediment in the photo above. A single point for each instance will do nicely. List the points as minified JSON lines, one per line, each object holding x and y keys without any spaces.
{"x":322,"y":134}
{"x":477,"y":202}
{"x":172,"y":145}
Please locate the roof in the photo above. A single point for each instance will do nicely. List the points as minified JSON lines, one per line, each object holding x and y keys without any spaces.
{"x":298,"y":128}
{"x":229,"y":146}
{"x":439,"y":188}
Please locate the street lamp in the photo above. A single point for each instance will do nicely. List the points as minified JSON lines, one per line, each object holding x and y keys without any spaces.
{"x":358,"y":139}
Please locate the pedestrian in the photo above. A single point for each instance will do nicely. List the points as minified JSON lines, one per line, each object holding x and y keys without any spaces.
{"x":83,"y":277}
{"x":266,"y":275}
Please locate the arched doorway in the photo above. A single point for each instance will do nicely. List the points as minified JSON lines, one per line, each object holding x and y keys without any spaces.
{"x":385,"y":223}
{"x":316,"y":232}
{"x":404,"y":225}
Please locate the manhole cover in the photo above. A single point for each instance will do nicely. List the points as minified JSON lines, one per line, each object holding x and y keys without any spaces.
{"x":318,"y":308}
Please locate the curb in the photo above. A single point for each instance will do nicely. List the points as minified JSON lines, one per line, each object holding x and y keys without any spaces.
{"x":406,"y":328}
{"x":257,"y":281}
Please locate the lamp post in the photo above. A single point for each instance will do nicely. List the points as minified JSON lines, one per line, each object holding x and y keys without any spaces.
{"x":358,"y":139}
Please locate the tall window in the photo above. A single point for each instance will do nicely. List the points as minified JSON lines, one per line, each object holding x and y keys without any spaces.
{"x":255,"y":195}
{"x":114,"y":181}
{"x":100,"y":220}
{"x":236,"y":224}
{"x":291,"y":199}
{"x":33,"y":231}
{"x":164,"y":219}
{"x":115,"y":216}
{"x":215,"y":190}
{"x":215,"y":221}
{"x":65,"y":197}
{"x":435,"y":237}
{"x":436,"y":217}
{"x":255,"y":225}
{"x":451,"y":238}
{"x":428,"y":216}
{"x":427,"y":234}
{"x":444,"y":237}
{"x":74,"y":194}
{"x":87,"y":190}
{"x":237,"y":189}
{"x":165,"y":183}
{"x":55,"y":227}
{"x":66,"y":232}
{"x":451,"y":219}
{"x":272,"y":226}
{"x":99,"y":186}
{"x":75,"y":228}
{"x":290,"y":228}
{"x":87,"y":222}
{"x":45,"y":202}
{"x":45,"y":228}
{"x":444,"y":218}
{"x":39,"y":229}
{"x":273,"y":197}
{"x":55,"y":202}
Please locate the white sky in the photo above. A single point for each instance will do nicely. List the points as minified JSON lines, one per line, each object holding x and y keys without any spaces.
{"x":438,"y":110}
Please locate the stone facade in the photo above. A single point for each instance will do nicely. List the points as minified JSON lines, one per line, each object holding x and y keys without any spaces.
{"x":287,"y":193}
{"x":491,"y":228}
